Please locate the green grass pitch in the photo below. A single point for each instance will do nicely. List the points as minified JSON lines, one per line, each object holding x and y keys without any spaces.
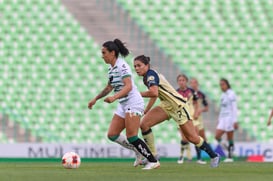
{"x":124,"y":171}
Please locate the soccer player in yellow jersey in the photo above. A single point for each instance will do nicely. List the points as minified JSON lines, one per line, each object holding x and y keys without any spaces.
{"x":203,"y":106}
{"x":192,"y":99}
{"x":172,"y":105}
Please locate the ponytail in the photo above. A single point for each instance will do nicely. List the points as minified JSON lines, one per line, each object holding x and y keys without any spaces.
{"x":122,"y":49}
{"x":117,"y":46}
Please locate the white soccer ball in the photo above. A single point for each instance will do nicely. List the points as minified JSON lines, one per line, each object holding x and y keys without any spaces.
{"x":71,"y":160}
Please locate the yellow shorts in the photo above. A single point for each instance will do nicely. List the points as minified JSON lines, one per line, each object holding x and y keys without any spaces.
{"x":196,"y":123}
{"x":199,"y":123}
{"x":178,"y":112}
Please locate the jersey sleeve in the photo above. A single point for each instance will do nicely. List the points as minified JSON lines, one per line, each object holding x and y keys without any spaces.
{"x":125,"y":70}
{"x":204,"y":101}
{"x":232,"y":99}
{"x":152,"y":78}
{"x":195,"y":96}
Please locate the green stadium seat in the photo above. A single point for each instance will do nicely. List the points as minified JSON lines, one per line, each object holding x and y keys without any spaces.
{"x":227,"y":38}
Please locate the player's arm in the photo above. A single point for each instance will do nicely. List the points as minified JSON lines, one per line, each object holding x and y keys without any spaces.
{"x":205,"y":105}
{"x":269,"y":119}
{"x":195,"y":105}
{"x":150,"y":104}
{"x":123,"y":92}
{"x":152,"y":92}
{"x":102,"y":94}
{"x":196,"y":108}
{"x":152,"y":84}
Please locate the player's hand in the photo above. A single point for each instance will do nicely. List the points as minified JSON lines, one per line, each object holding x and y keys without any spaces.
{"x":109,"y":99}
{"x":92,"y":103}
{"x":268,"y":122}
{"x":236,"y":125}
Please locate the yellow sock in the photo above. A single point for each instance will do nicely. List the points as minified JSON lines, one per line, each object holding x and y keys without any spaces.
{"x":200,"y":142}
{"x":188,"y":152}
{"x":184,"y":146}
{"x":148,"y":137}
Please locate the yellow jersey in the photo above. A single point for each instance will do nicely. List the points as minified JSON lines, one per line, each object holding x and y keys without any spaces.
{"x":166,"y":92}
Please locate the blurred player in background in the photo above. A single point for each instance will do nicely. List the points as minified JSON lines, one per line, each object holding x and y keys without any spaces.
{"x":202,"y":107}
{"x":172,"y":105}
{"x":192,"y":98}
{"x":186,"y":92}
{"x":131,"y":104}
{"x":269,"y":119}
{"x":227,"y":117}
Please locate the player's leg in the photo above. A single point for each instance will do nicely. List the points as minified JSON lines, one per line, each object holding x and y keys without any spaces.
{"x":192,"y":136}
{"x":182,"y":117}
{"x":153,"y":117}
{"x":201,"y":133}
{"x":132,"y":124}
{"x":197,"y":149}
{"x":184,"y":146}
{"x":116,"y":126}
{"x":220,"y":130}
{"x":230,"y":146}
{"x":218,"y":135}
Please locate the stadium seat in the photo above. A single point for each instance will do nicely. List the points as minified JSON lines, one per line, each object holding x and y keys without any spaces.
{"x":51,"y":69}
{"x":213,"y":39}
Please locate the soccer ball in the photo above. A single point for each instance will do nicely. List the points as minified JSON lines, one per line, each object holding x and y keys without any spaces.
{"x":71,"y":160}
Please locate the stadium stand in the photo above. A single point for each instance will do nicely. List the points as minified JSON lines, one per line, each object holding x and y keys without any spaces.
{"x":211,"y":39}
{"x":51,"y":68}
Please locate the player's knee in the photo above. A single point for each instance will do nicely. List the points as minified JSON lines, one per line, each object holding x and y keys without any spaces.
{"x":144,"y":126}
{"x":217,"y":138}
{"x":193,"y":139}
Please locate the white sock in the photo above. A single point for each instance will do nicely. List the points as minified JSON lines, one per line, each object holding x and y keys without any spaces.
{"x":122,"y":140}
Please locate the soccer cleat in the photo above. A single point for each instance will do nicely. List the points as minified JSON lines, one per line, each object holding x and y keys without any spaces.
{"x":145,"y":161}
{"x":228,"y":160}
{"x":201,"y":162}
{"x":180,"y":160}
{"x":151,"y":165}
{"x":138,"y":160}
{"x":215,"y":161}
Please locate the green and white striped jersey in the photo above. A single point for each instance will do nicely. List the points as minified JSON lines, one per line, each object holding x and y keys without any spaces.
{"x":116,"y":75}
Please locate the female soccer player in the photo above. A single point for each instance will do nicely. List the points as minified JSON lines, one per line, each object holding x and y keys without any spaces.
{"x":269,"y":119}
{"x":228,"y":116}
{"x":203,"y":106}
{"x":192,"y":97}
{"x":172,"y":105}
{"x":131,"y":104}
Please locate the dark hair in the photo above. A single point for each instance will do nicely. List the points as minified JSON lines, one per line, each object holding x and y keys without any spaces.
{"x":182,"y":75}
{"x":143,"y":59}
{"x":226,"y":82}
{"x":116,"y":46}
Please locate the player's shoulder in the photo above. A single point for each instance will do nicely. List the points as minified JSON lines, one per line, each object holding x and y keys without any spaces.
{"x":151,"y":72}
{"x":231,"y":94}
{"x":201,"y":93}
{"x":121,"y":63}
{"x":191,"y":89}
